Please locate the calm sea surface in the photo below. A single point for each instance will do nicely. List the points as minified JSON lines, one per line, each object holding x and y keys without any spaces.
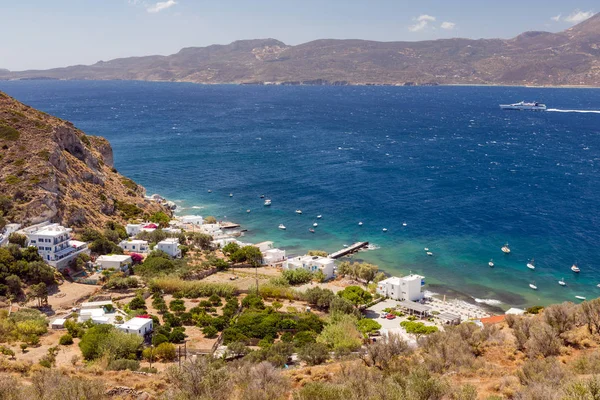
{"x":463,"y":175}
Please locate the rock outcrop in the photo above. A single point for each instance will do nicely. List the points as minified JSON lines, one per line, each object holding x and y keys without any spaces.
{"x":50,"y":170}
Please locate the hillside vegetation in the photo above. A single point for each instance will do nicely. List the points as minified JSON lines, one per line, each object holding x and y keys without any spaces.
{"x":50,"y":170}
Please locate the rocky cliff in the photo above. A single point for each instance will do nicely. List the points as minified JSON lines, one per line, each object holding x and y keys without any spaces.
{"x":571,"y":57}
{"x":50,"y":170}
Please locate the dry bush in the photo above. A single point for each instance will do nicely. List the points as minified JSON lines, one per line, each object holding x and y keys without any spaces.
{"x":538,"y":391}
{"x":10,"y":388}
{"x":546,"y":371}
{"x":385,"y":351}
{"x":543,"y":341}
{"x":521,"y":329}
{"x":562,"y":317}
{"x":587,"y":363}
{"x":53,"y":385}
{"x":201,"y":378}
{"x":443,"y":351}
{"x":509,"y":386}
{"x":260,"y":382}
{"x":590,"y":315}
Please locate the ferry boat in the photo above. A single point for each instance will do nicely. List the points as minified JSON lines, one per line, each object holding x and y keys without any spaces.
{"x":575,"y":268}
{"x":267,"y":202}
{"x":506,"y":249}
{"x":522,"y":106}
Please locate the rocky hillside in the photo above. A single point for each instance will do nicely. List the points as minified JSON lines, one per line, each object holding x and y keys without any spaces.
{"x":571,"y":57}
{"x":50,"y":170}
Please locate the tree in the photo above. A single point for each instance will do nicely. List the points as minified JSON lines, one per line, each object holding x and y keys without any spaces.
{"x":319,"y":276}
{"x":356,"y":295}
{"x":367,"y":325}
{"x":65,"y":340}
{"x":319,"y":297}
{"x":200,"y":378}
{"x":253,"y":255}
{"x":341,"y":334}
{"x":137,"y":303}
{"x":201,"y":240}
{"x":561,"y":317}
{"x":320,"y":253}
{"x":297,"y":276}
{"x":384,"y":351}
{"x":367,"y":272}
{"x":165,"y":352}
{"x":237,"y":349}
{"x":543,"y":341}
{"x":230,"y":248}
{"x":210,"y":332}
{"x":18,"y":239}
{"x":418,"y":328}
{"x":590,"y":311}
{"x":340,"y":305}
{"x":161,"y":219}
{"x":314,"y":354}
{"x":39,"y":292}
{"x":276,"y":305}
{"x":14,"y":285}
{"x":210,"y":220}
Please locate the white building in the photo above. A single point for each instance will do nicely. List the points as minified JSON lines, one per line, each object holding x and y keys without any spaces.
{"x":264,"y":246}
{"x":408,"y":287}
{"x":97,"y":315}
{"x":273,"y":256}
{"x":170,"y":246}
{"x":192,"y":219}
{"x":312,"y":264}
{"x":135,"y":246}
{"x":137,"y":325}
{"x":211,"y":229}
{"x":116,"y":261}
{"x":54,"y":244}
{"x":133,"y":229}
{"x":172,"y":231}
{"x":96,"y":304}
{"x":220,"y":243}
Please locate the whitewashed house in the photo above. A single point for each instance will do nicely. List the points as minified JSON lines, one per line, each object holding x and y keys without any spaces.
{"x":273,"y":257}
{"x":135,"y":246}
{"x":170,"y":246}
{"x":408,"y":287}
{"x":222,"y":242}
{"x":54,"y":244}
{"x":117,"y":261}
{"x":133,"y":229}
{"x":137,"y":325}
{"x":192,"y":219}
{"x":211,"y":229}
{"x":312,"y":264}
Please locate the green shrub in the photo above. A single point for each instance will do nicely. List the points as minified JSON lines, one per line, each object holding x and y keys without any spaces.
{"x":8,"y":133}
{"x":65,"y":340}
{"x":210,"y":332}
{"x":356,"y":295}
{"x":297,"y":276}
{"x":123,"y":364}
{"x":12,"y":180}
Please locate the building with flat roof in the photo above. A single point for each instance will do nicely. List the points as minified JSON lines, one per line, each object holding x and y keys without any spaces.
{"x":192,"y":219}
{"x":117,"y":261}
{"x":408,"y":287}
{"x":273,"y":257}
{"x":54,"y":244}
{"x":170,"y":246}
{"x":135,"y":246}
{"x":137,"y":325}
{"x":312,"y":264}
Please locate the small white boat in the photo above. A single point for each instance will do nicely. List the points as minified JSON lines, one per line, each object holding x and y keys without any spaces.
{"x":311,"y":230}
{"x":384,"y":229}
{"x":209,"y":191}
{"x":345,"y":245}
{"x":491,"y":263}
{"x":247,"y":211}
{"x":426,"y":249}
{"x":319,"y":216}
{"x":360,"y":224}
{"x":230,"y":194}
{"x":282,"y":227}
{"x":267,"y":202}
{"x":429,"y":253}
{"x":315,"y":224}
{"x":530,"y":264}
{"x":575,"y":268}
{"x":506,"y":249}
{"x":262,"y":196}
{"x":404,"y":224}
{"x":298,"y":211}
{"x":532,"y":285}
{"x":562,"y":282}
{"x":580,"y":297}
{"x":598,"y":285}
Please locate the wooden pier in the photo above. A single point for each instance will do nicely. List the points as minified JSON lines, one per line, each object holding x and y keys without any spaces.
{"x":348,"y":250}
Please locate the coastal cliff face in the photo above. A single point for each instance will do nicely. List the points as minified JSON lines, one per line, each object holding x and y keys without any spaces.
{"x":571,"y":57}
{"x":50,"y":170}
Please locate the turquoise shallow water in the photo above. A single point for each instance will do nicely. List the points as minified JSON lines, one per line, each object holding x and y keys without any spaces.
{"x":465,"y":176}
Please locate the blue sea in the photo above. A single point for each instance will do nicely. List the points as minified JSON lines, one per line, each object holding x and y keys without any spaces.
{"x":463,"y":175}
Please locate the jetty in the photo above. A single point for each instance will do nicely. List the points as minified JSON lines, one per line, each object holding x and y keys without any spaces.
{"x":348,"y":250}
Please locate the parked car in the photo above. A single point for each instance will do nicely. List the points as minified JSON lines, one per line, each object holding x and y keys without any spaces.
{"x":390,"y":316}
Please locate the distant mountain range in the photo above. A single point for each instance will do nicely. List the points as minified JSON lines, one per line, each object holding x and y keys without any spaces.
{"x":571,"y":57}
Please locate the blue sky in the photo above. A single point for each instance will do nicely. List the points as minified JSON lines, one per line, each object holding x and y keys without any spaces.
{"x":40,"y":34}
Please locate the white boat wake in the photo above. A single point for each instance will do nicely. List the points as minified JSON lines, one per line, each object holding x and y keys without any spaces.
{"x":574,"y":111}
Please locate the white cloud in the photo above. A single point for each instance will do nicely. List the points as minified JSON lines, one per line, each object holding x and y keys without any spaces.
{"x":557,"y":18}
{"x":448,"y":25}
{"x":578,"y":16}
{"x":421,"y":22}
{"x":161,"y":5}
